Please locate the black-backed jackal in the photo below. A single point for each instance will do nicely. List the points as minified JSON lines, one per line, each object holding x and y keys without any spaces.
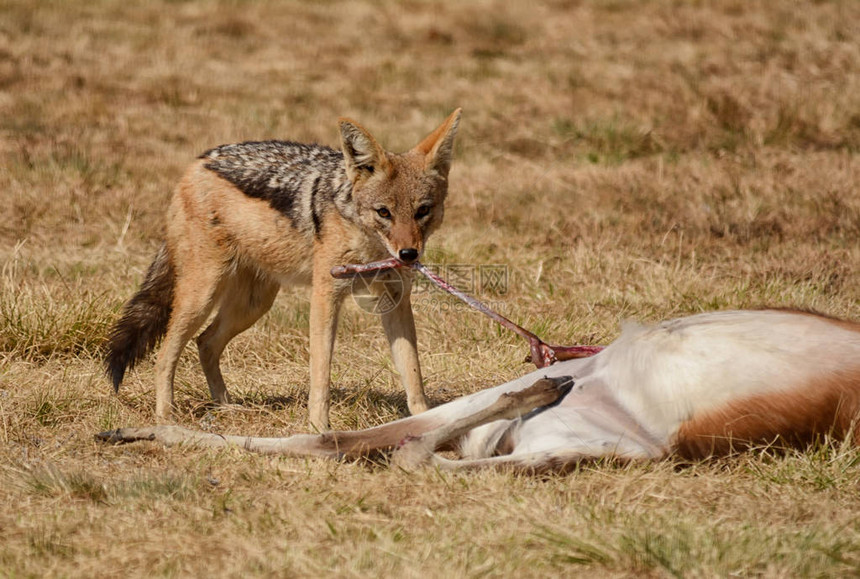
{"x":249,"y":217}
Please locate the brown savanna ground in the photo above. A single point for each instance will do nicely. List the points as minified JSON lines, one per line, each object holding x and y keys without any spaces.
{"x":621,"y":159}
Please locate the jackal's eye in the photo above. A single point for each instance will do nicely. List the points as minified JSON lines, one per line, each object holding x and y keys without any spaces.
{"x":423,"y":211}
{"x":384,"y":212}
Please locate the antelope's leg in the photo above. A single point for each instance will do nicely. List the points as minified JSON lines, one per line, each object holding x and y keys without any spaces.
{"x":324,"y":445}
{"x":415,"y":450}
{"x":535,"y":462}
{"x":328,"y":444}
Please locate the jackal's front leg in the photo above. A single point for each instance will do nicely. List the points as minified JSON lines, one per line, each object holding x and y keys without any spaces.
{"x":326,"y":298}
{"x":399,"y":325}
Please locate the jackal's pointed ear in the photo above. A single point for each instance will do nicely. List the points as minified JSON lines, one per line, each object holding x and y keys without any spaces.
{"x":438,"y":146}
{"x":361,"y":152}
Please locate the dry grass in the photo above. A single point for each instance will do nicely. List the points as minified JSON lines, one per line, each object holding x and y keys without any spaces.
{"x":623,"y":159}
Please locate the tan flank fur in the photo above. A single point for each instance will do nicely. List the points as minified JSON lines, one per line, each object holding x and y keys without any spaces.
{"x":250,"y":217}
{"x":705,"y":385}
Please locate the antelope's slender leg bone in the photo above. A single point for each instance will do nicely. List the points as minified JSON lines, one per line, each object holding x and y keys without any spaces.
{"x":324,"y":445}
{"x":168,"y":435}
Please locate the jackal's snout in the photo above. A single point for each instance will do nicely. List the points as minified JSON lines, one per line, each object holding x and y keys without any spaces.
{"x":408,"y":255}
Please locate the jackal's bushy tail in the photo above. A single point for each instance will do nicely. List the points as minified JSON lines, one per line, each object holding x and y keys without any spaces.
{"x":144,"y":319}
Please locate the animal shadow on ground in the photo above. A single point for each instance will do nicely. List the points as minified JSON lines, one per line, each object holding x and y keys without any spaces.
{"x":199,"y":407}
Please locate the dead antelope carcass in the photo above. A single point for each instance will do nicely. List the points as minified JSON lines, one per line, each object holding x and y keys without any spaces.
{"x":699,"y":386}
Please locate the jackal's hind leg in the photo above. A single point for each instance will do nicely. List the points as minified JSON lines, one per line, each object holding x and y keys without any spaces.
{"x":243,"y":301}
{"x":196,"y":292}
{"x":418,"y":450}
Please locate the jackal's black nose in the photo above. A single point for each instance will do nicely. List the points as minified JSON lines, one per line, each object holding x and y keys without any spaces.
{"x":408,"y":255}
